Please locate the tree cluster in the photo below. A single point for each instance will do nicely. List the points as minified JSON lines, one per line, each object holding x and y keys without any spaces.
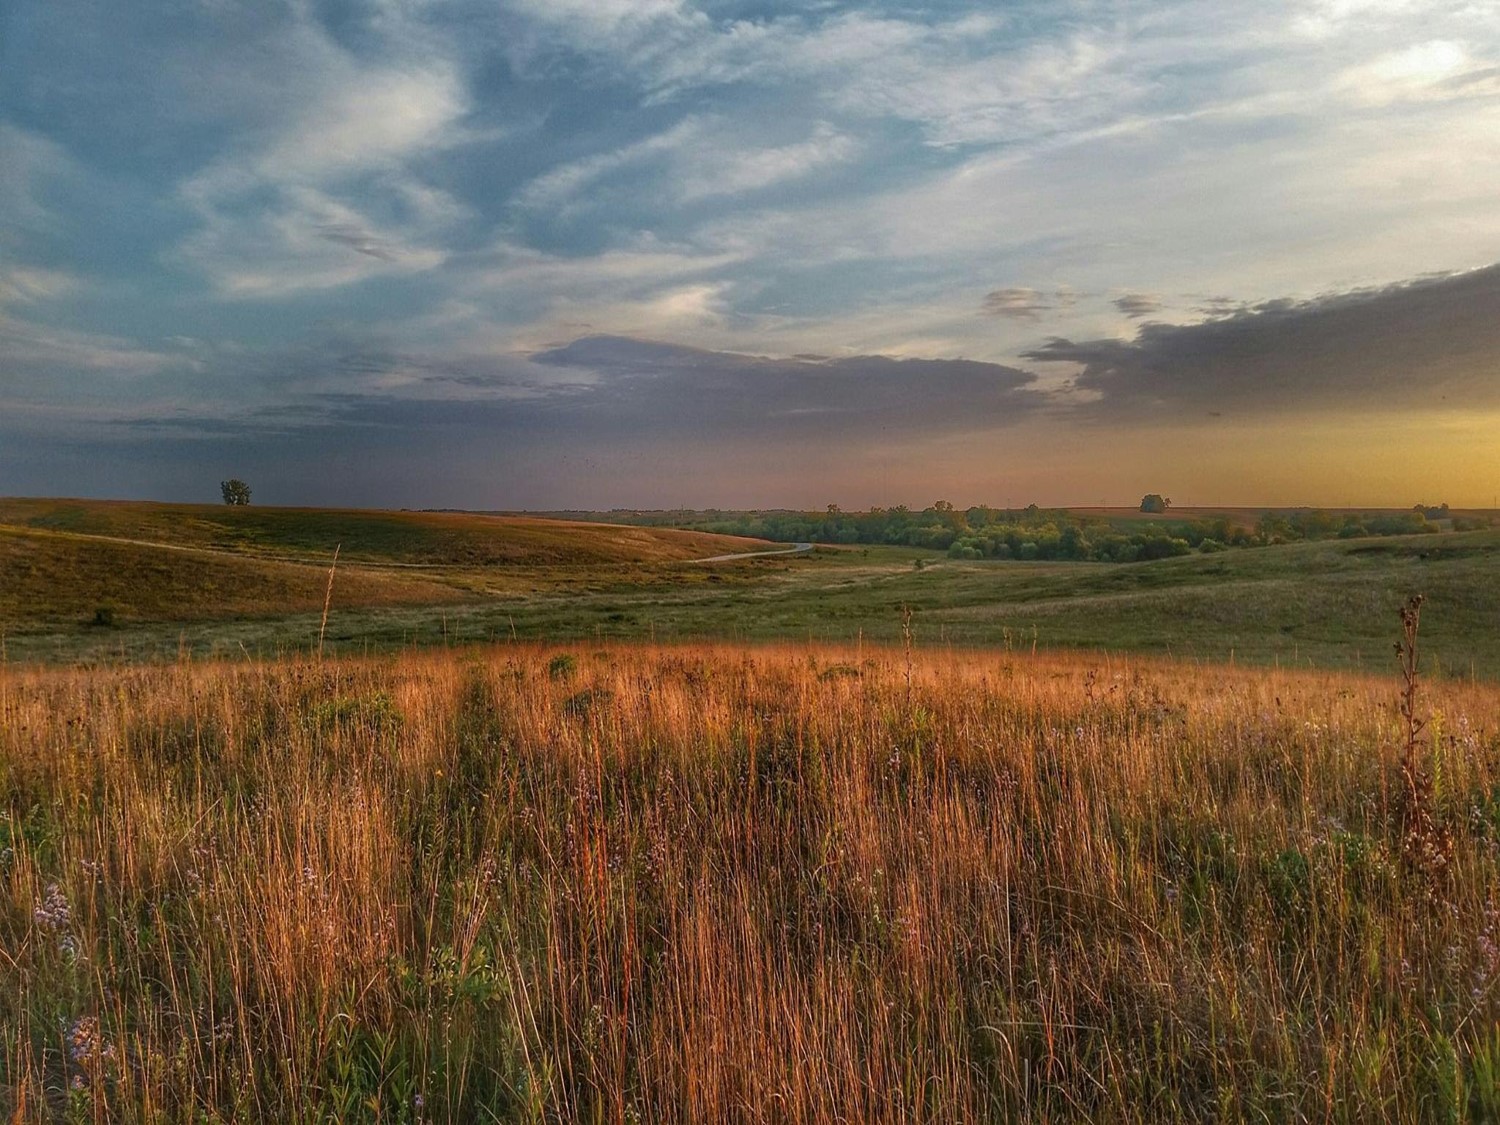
{"x":1037,"y":533}
{"x":235,"y":491}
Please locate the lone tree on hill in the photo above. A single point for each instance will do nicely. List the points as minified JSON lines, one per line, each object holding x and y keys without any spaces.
{"x":1155,"y":502}
{"x":236,"y":492}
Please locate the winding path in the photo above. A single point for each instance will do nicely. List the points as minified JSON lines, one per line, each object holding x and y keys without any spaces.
{"x":794,"y":549}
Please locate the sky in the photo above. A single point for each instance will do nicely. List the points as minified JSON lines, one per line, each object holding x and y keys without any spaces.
{"x":660,"y":253}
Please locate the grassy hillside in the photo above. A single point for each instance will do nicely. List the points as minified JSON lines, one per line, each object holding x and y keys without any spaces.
{"x":64,"y":562}
{"x":418,"y":538}
{"x":742,"y":885}
{"x":56,"y":577}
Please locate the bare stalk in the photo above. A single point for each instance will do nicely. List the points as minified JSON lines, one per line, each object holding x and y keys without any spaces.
{"x":906,"y":644}
{"x":1426,"y":845}
{"x":328,"y":599}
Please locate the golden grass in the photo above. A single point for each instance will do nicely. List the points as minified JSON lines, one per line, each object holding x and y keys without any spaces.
{"x":714,"y":883}
{"x":58,"y":576}
{"x":446,"y":539}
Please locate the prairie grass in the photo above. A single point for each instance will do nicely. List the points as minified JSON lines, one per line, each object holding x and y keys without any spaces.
{"x":716,"y":883}
{"x":446,"y":539}
{"x":50,"y":577}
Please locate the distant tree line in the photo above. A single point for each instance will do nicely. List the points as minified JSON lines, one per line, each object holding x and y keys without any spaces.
{"x":1040,"y":533}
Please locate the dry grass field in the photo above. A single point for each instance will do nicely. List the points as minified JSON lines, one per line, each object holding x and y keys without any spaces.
{"x":59,"y":576}
{"x":65,"y":562}
{"x":712,"y":883}
{"x":432,"y":539}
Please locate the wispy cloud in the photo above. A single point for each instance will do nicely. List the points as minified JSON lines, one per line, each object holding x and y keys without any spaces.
{"x":332,"y":192}
{"x":559,"y":186}
{"x":1016,"y":302}
{"x":1137,"y":305}
{"x":729,"y":169}
{"x":38,"y":362}
{"x":697,"y":159}
{"x":306,"y":240}
{"x":1440,"y":70}
{"x":28,"y":284}
{"x":31,"y":164}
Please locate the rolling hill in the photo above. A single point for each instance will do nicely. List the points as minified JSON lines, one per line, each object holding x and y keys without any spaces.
{"x":415,"y":538}
{"x":67,"y":561}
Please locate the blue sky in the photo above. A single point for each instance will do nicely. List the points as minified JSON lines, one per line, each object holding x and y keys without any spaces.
{"x":650,"y":252}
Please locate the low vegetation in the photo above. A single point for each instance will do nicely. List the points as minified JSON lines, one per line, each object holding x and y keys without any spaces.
{"x":714,"y":883}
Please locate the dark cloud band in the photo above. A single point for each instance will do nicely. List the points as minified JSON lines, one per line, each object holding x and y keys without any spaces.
{"x":1419,"y":344}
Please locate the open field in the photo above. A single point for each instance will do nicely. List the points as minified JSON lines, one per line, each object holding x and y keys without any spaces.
{"x":1324,"y":604}
{"x":619,"y":864}
{"x":1247,"y":517}
{"x":692,"y":883}
{"x":431,"y":539}
{"x":54,"y":576}
{"x":1327,"y":603}
{"x":62,"y":561}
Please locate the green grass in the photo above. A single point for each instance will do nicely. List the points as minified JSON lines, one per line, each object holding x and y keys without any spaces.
{"x":1327,"y":604}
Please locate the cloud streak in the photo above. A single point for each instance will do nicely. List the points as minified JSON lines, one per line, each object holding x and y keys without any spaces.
{"x":1137,"y":305}
{"x":331,"y":193}
{"x":668,"y":389}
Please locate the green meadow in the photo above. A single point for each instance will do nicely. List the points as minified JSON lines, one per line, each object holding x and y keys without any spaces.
{"x":93,"y":581}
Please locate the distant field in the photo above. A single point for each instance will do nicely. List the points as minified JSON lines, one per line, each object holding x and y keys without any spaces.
{"x":1249,"y":517}
{"x":1245,"y":517}
{"x":1328,"y":603}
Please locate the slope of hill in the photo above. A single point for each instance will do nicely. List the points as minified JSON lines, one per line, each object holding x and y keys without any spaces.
{"x":413,"y":538}
{"x":50,"y":576}
{"x":68,"y":561}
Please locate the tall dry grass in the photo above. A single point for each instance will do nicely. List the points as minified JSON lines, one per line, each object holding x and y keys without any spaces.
{"x":706,"y":884}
